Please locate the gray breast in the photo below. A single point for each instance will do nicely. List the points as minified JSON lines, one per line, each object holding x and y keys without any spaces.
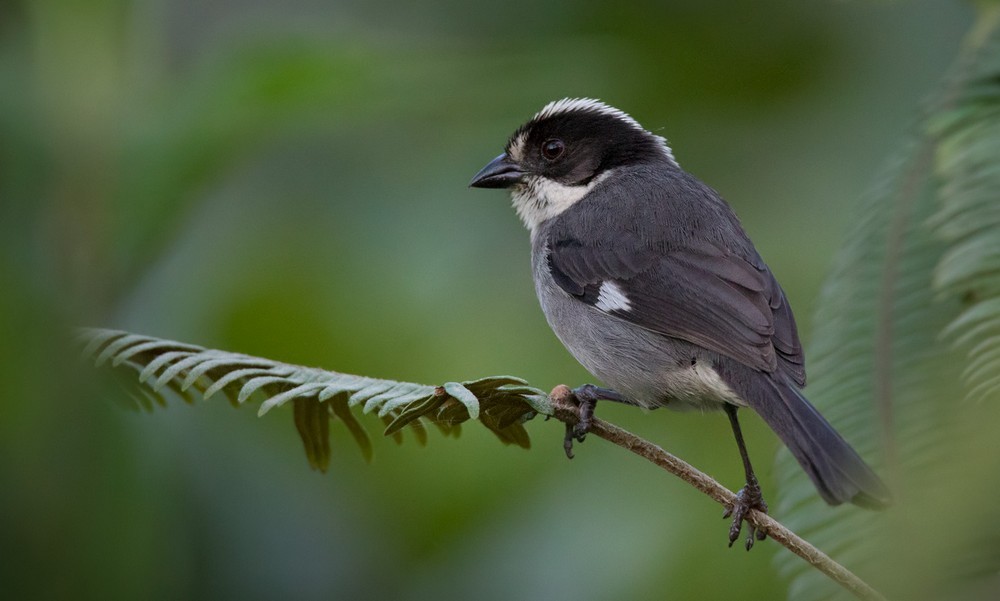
{"x":649,"y":369}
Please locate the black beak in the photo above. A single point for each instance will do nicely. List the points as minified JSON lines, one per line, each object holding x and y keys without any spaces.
{"x":501,"y":172}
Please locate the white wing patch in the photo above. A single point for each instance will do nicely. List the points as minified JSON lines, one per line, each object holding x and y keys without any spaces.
{"x":610,"y":297}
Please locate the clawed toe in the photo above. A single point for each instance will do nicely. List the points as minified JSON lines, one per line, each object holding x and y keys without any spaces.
{"x":586,"y":398}
{"x":749,"y":497}
{"x":578,"y":431}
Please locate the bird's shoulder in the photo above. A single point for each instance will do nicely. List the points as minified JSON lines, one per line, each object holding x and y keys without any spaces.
{"x":664,"y":251}
{"x":639,"y":215}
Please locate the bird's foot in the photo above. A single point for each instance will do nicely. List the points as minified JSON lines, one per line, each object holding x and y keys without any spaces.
{"x":749,"y":497}
{"x":586,"y":398}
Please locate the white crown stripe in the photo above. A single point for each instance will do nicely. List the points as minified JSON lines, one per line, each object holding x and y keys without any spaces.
{"x":537,"y":198}
{"x":568,"y":105}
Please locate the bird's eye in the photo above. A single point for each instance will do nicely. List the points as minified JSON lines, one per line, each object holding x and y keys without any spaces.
{"x":553,"y":149}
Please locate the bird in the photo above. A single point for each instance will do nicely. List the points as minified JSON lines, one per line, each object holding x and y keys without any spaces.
{"x":647,"y":277}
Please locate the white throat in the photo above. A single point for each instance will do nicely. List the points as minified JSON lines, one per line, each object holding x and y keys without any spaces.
{"x":538,"y":199}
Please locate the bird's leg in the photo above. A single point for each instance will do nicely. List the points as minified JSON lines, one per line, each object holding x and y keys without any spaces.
{"x":586,"y":399}
{"x":749,"y":497}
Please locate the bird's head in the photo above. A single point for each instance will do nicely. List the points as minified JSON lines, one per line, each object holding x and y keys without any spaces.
{"x":567,"y":148}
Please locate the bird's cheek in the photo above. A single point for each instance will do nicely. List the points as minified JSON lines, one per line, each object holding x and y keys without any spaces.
{"x":582,"y":173}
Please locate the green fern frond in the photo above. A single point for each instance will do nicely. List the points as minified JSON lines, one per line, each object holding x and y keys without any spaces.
{"x":919,"y":270}
{"x":501,"y":403}
{"x":968,"y":163}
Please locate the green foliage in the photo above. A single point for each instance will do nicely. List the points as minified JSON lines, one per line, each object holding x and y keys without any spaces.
{"x":501,"y":403}
{"x":969,"y":221}
{"x":289,"y":179}
{"x":204,"y":125}
{"x":911,"y":310}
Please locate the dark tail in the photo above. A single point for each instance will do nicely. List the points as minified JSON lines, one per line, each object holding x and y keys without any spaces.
{"x":835,"y":468}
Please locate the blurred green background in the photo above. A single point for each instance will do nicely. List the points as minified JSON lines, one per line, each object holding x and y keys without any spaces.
{"x":289,"y":180}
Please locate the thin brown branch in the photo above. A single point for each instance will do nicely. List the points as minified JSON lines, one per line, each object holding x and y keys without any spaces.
{"x":565,"y":410}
